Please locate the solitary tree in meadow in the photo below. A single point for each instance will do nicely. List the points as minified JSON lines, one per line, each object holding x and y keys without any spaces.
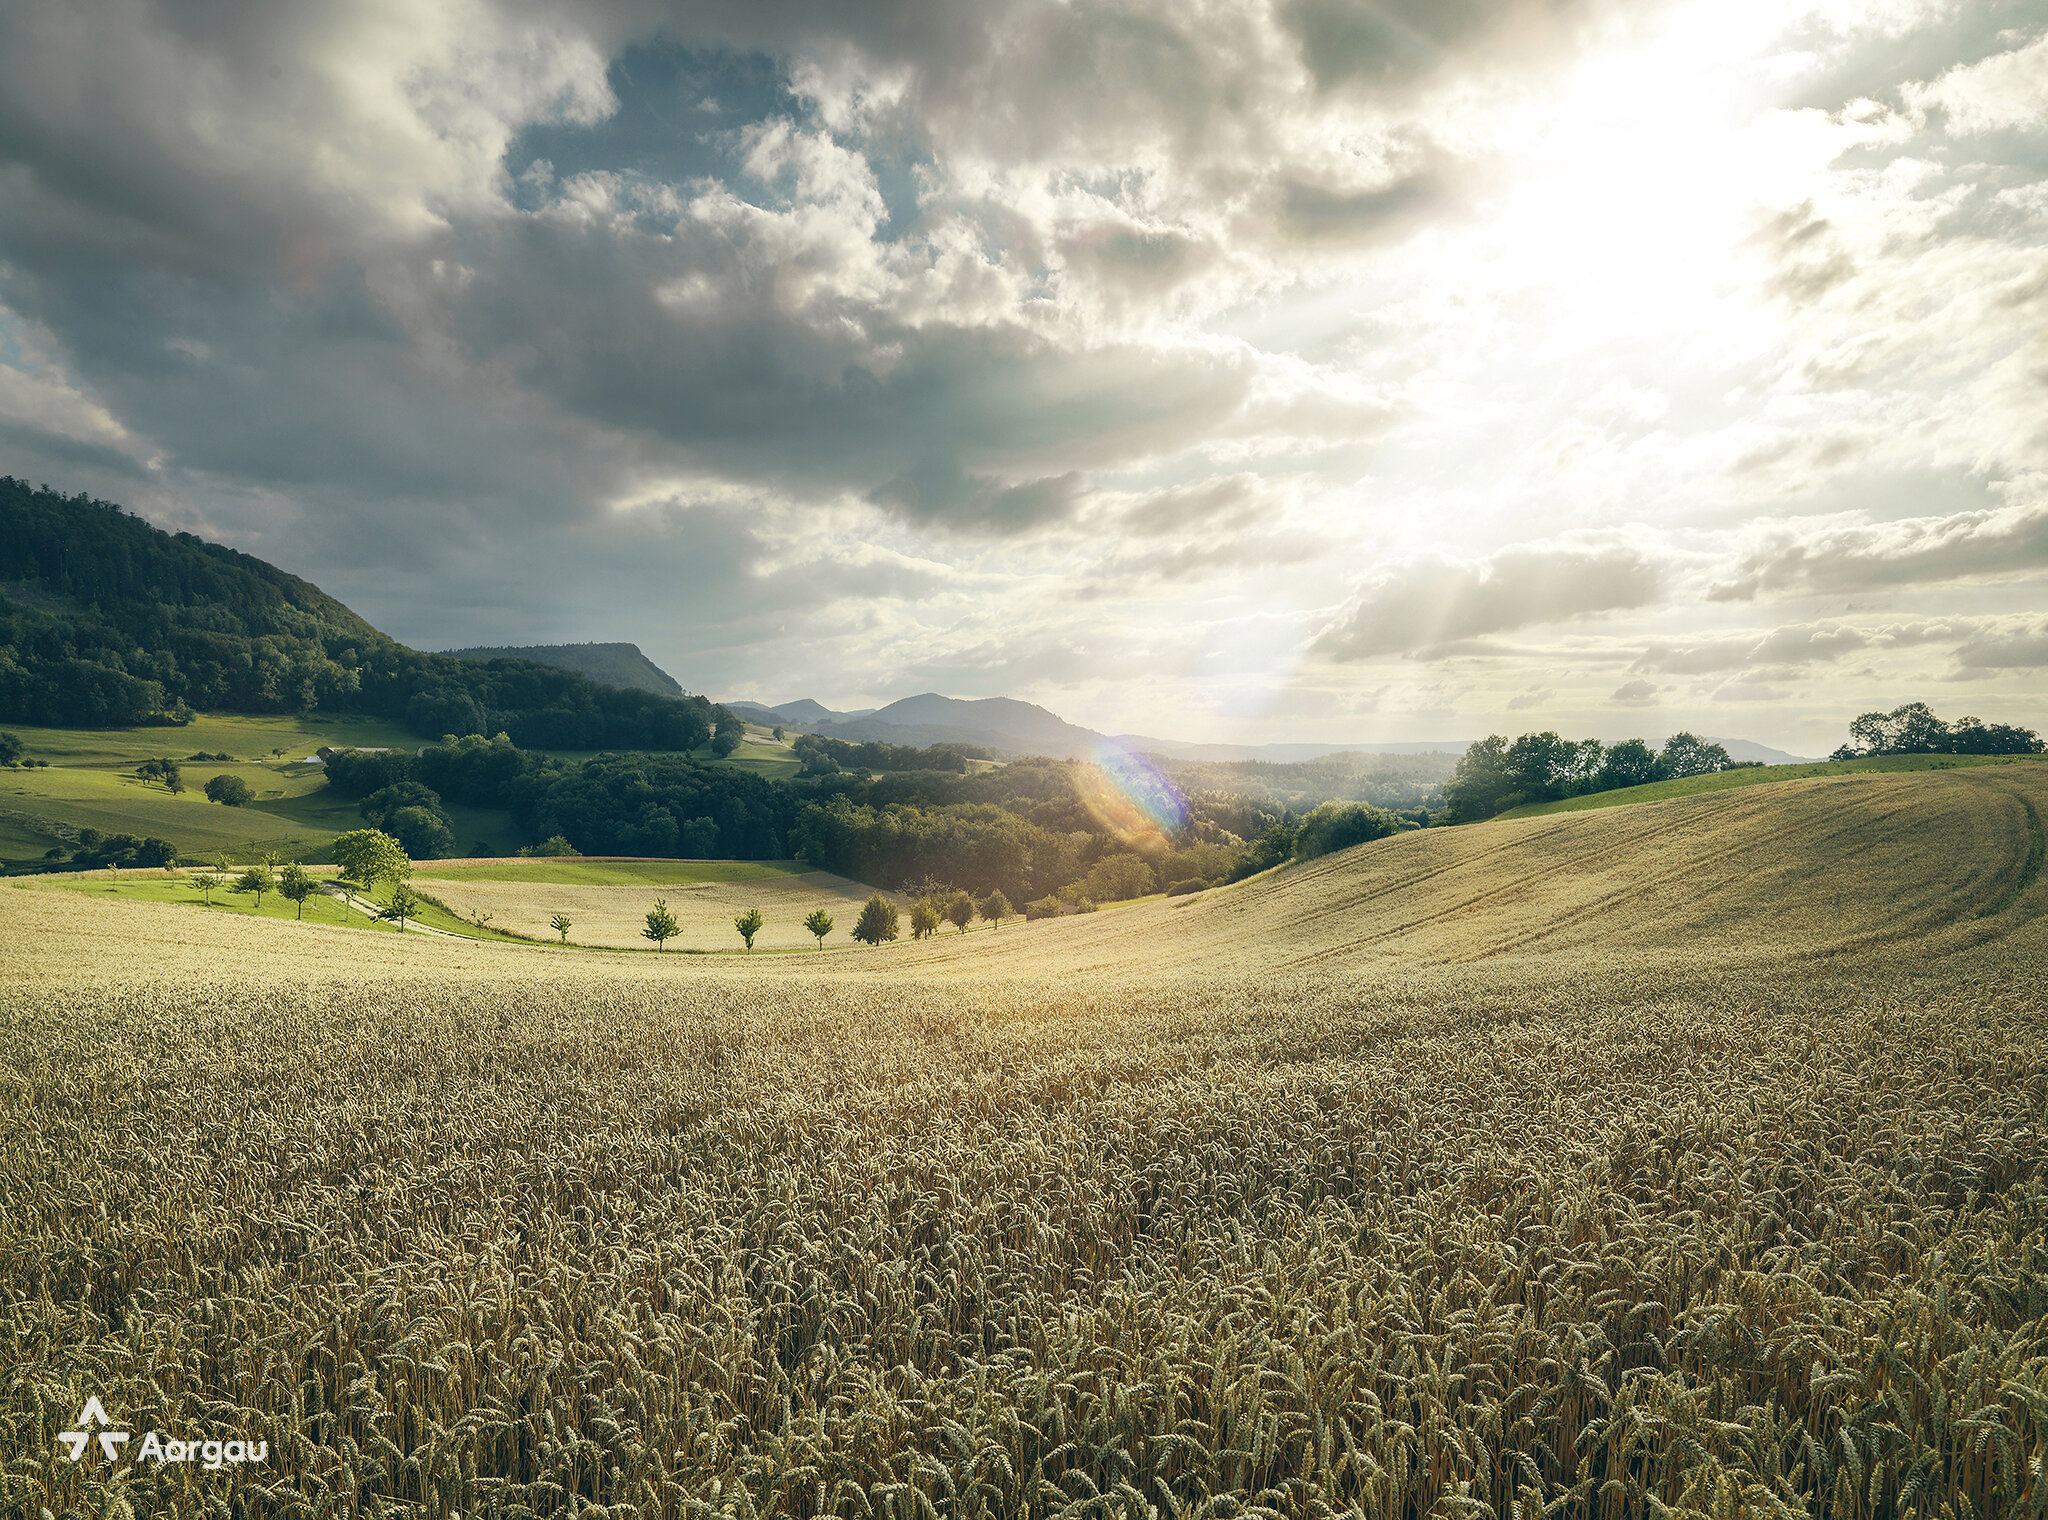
{"x":404,"y":904}
{"x":229,"y":791}
{"x":295,"y":884}
{"x":661,"y":924}
{"x":561,"y":925}
{"x":877,"y":921}
{"x":960,"y":911}
{"x":749,"y":925}
{"x":995,"y":908}
{"x":820,"y":924}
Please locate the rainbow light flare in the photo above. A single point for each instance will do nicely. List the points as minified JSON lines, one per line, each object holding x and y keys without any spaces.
{"x":1128,"y":795}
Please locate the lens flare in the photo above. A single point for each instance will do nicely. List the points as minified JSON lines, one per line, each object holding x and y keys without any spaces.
{"x":1128,"y":796}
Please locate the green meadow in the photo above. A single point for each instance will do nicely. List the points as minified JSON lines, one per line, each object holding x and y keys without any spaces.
{"x":176,"y":886}
{"x":89,"y":783}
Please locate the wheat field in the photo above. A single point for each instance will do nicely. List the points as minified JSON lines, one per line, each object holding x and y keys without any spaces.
{"x":1684,"y":1159}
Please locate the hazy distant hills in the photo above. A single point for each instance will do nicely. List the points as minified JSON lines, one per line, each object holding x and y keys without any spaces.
{"x":614,"y":664}
{"x":996,"y":722}
{"x":1026,"y":728}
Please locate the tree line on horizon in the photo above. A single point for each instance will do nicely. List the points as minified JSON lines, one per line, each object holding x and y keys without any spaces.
{"x":1913,"y":729}
{"x":1494,"y":774}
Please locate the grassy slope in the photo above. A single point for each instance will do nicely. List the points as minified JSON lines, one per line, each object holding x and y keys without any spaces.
{"x":155,"y":886}
{"x":87,"y":785}
{"x":1721,"y":781}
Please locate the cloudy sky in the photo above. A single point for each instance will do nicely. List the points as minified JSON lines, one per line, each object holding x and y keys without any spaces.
{"x":1221,"y":369}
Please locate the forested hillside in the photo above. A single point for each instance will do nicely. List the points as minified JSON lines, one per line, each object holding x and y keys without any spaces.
{"x":613,"y":664}
{"x":107,"y":621}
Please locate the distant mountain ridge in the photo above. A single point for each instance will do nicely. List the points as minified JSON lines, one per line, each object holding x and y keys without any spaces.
{"x":928,"y":718}
{"x":620,"y":665}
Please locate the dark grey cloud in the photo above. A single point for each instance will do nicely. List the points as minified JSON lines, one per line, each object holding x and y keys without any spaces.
{"x":1426,"y":603}
{"x":1378,"y":43}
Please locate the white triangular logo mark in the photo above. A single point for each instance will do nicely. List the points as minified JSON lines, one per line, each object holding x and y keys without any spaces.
{"x":94,"y":1413}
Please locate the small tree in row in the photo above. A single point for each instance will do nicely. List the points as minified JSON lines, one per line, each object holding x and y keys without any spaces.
{"x":820,"y":924}
{"x":749,"y":925}
{"x":877,"y":921}
{"x":257,"y":879}
{"x":661,"y":924}
{"x":295,"y":884}
{"x":561,"y":925}
{"x":404,"y":904}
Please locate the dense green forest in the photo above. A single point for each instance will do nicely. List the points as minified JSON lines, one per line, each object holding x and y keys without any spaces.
{"x":1020,"y":828}
{"x":610,"y":664}
{"x":106,"y":621}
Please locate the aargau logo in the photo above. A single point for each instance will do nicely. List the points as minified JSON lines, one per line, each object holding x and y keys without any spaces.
{"x":212,"y":1455}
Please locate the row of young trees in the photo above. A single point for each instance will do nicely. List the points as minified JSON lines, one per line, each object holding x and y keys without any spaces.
{"x":880,"y":919}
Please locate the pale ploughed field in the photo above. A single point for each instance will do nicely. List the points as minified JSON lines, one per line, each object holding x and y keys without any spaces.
{"x":1685,"y":1157}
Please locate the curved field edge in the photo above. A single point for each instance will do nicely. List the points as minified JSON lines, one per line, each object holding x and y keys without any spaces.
{"x":1721,"y":781}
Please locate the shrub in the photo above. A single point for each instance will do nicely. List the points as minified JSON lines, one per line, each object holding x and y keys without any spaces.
{"x":1183,"y":888}
{"x":1340,"y":825}
{"x":1114,"y":878}
{"x":552,"y":847}
{"x":229,"y":791}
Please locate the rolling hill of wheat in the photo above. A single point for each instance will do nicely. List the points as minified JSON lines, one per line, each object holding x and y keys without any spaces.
{"x":1689,"y":1158}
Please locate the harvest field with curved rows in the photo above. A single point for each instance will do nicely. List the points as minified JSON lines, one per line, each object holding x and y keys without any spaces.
{"x":1688,"y":1158}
